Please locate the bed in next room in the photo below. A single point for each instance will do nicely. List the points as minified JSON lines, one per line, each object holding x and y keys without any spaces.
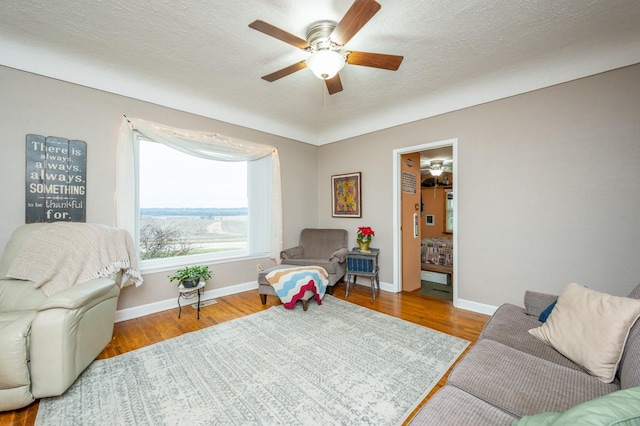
{"x":437,"y":255}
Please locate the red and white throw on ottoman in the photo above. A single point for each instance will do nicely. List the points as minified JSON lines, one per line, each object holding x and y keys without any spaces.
{"x":299,"y":283}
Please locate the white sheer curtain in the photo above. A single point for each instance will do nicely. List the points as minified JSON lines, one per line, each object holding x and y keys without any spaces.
{"x":201,"y":144}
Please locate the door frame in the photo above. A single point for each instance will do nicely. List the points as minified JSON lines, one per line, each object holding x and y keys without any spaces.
{"x":397,"y":212}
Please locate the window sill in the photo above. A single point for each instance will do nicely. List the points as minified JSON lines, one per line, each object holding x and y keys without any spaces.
{"x":153,"y":266}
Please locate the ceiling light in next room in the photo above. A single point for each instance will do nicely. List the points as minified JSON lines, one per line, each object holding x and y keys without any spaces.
{"x":436,"y":168}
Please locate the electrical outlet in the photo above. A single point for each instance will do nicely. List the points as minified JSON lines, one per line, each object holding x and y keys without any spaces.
{"x":259,"y":268}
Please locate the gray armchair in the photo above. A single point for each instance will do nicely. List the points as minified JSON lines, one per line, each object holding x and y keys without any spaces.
{"x":320,"y":247}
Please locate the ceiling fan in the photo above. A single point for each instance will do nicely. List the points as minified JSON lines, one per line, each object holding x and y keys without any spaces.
{"x":325,"y":42}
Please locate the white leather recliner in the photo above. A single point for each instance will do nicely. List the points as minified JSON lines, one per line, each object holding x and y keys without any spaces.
{"x":46,"y":342}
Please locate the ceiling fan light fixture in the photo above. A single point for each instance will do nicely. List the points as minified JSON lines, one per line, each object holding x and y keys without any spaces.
{"x":325,"y":64}
{"x":436,"y":172}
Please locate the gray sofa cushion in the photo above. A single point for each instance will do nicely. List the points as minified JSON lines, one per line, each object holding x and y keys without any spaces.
{"x":535,"y":302}
{"x":621,"y":408}
{"x":454,"y":407}
{"x":509,"y":325}
{"x":635,"y":293}
{"x":523,"y":384}
{"x":629,"y":368}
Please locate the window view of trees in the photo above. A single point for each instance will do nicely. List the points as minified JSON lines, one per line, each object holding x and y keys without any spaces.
{"x":190,"y":205}
{"x":162,"y":240}
{"x":180,"y":232}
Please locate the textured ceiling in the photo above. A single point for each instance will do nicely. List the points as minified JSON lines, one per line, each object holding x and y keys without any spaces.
{"x":201,"y":56}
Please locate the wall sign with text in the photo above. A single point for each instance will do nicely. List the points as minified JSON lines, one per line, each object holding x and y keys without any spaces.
{"x":56,"y":175}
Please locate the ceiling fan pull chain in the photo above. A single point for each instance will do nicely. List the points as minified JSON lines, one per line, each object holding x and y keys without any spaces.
{"x":324,"y":98}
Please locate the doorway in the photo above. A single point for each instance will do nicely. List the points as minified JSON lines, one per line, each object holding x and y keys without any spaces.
{"x":400,"y":259}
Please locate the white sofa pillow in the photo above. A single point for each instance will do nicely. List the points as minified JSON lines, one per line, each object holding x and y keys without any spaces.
{"x":590,"y":328}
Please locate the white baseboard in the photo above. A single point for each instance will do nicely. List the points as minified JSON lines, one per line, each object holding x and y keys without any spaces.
{"x":468,"y":305}
{"x":366,"y":282}
{"x":388,"y":287}
{"x":152,"y":308}
{"x":480,"y":308}
{"x":163,"y":305}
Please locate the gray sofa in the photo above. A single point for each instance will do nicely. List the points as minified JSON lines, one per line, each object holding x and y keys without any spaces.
{"x":509,"y":374}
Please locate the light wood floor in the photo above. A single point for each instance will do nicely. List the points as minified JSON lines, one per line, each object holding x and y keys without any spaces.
{"x":133,"y":334}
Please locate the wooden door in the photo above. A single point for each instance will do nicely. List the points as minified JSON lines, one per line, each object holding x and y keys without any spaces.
{"x":410,"y":206}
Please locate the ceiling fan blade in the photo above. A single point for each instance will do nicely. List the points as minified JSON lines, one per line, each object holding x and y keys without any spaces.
{"x":375,"y":60}
{"x":356,"y":17}
{"x":334,"y":85}
{"x":285,"y":71}
{"x":281,"y":35}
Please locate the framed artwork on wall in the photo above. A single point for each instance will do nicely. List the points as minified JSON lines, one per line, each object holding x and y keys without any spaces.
{"x":346,"y":192}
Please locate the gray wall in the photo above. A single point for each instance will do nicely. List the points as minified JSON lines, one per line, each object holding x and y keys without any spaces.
{"x":39,"y":105}
{"x":549,"y":181}
{"x":548,"y":188}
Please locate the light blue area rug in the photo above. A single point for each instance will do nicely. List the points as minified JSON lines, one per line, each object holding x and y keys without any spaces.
{"x":336,"y":364}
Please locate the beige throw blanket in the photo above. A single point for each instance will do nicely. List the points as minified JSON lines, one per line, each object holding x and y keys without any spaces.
{"x":62,"y":254}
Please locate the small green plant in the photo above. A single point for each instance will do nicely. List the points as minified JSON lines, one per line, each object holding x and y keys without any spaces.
{"x":194,"y":273}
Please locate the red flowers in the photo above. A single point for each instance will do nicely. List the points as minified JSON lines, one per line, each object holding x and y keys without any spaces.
{"x":365,"y":233}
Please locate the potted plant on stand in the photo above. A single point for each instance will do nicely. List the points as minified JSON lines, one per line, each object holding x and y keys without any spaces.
{"x":191,"y":275}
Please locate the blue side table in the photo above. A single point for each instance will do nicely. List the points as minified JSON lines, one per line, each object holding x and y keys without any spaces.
{"x":363,"y":264}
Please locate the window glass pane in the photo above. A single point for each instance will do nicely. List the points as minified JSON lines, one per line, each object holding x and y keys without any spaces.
{"x":190,"y":205}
